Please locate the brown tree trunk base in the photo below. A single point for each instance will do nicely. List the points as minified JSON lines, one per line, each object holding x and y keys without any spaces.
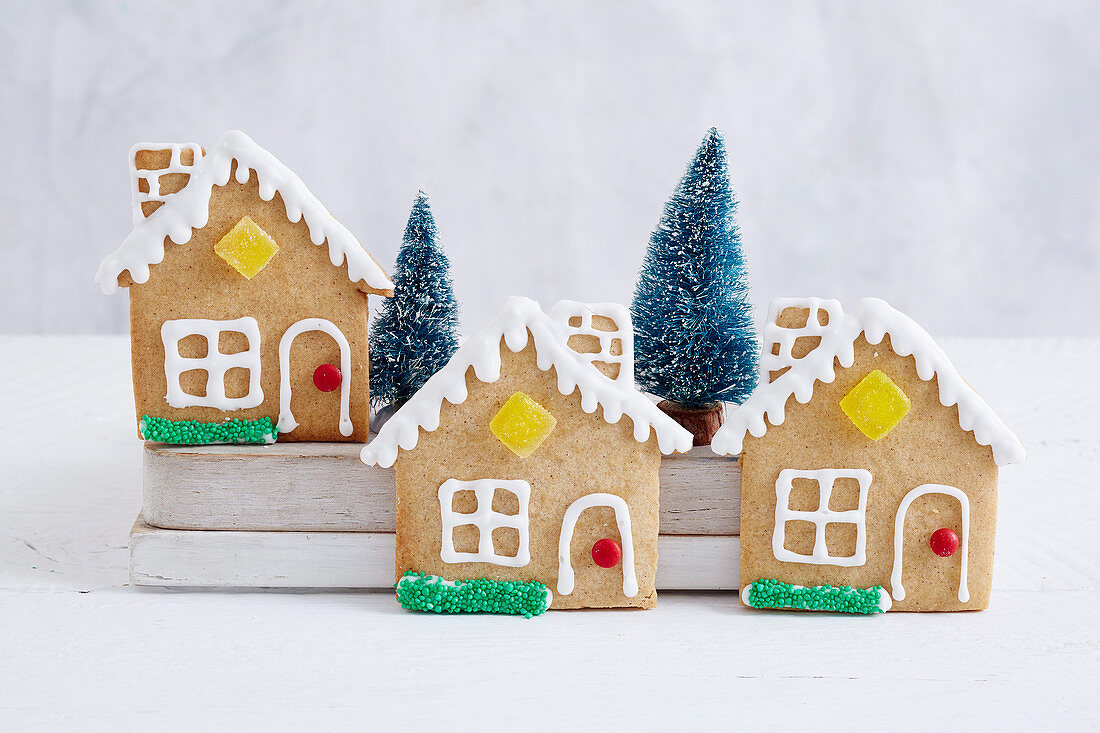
{"x":702,"y":422}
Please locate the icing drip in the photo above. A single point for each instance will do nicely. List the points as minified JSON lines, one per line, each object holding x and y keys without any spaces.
{"x":519,"y":318}
{"x":189,"y":209}
{"x":874,"y":319}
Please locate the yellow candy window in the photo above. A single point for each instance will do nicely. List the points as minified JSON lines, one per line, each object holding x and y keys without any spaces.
{"x":876,"y":405}
{"x":247,"y":248}
{"x":522,"y":424}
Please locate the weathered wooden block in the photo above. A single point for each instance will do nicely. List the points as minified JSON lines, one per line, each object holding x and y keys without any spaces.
{"x":323,"y":487}
{"x":204,"y":558}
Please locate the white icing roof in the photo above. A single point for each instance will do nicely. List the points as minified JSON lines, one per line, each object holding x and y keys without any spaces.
{"x":188,"y":209}
{"x":874,"y":318}
{"x":483,"y":352}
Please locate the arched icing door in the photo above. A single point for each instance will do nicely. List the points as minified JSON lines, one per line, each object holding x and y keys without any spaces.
{"x":565,"y":540}
{"x":897,"y":589}
{"x":287,"y":423}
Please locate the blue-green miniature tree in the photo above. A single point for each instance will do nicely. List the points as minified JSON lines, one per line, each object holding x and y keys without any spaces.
{"x":694,"y":339}
{"x":415,"y":333}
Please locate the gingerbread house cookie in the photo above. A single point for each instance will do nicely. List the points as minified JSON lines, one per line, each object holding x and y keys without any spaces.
{"x":868,"y":467}
{"x":248,"y":300}
{"x":527,"y":469}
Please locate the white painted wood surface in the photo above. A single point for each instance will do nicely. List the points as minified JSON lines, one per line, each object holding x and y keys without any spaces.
{"x":83,"y":650}
{"x":210,"y":558}
{"x":325,"y":487}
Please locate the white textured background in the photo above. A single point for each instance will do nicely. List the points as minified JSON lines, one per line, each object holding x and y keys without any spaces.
{"x":943,"y":155}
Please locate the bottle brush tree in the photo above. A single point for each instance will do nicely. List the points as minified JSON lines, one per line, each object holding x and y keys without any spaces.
{"x":415,"y":333}
{"x":694,"y":340}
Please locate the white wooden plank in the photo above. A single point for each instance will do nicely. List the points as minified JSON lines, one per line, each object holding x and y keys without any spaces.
{"x":325,"y":487}
{"x":209,"y":558}
{"x":285,"y":486}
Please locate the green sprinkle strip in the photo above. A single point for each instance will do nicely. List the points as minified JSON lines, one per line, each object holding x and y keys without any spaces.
{"x":430,"y":593}
{"x":193,"y":432}
{"x":770,"y":593}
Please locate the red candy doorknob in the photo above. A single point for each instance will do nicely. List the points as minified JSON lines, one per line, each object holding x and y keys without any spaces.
{"x":944,"y":542}
{"x":326,"y":378}
{"x":607,"y":553}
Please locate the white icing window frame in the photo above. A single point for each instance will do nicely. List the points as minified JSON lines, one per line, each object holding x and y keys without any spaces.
{"x":565,"y":310}
{"x":152,"y":177}
{"x":897,"y":590}
{"x":486,"y":520}
{"x":825,"y":478}
{"x":287,"y":423}
{"x":786,"y":337}
{"x":215,"y":363}
{"x":566,"y":578}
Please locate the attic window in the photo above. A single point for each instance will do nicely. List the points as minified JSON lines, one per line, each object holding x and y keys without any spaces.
{"x":159,"y":170}
{"x":601,"y":334}
{"x":828,"y":524}
{"x":483,"y":516}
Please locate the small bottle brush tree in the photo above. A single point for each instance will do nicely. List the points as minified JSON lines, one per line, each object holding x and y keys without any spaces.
{"x":415,"y":332}
{"x":695,"y":345}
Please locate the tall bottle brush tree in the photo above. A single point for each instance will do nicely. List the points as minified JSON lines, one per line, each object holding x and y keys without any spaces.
{"x":695,"y":345}
{"x":415,"y":333}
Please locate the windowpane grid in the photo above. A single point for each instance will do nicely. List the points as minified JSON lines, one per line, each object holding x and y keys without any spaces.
{"x":485,"y":519}
{"x":822,"y":516}
{"x":215,"y":363}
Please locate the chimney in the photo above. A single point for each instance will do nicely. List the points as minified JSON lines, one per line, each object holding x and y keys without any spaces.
{"x":158,"y":170}
{"x":793,"y":330}
{"x":602,"y":333}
